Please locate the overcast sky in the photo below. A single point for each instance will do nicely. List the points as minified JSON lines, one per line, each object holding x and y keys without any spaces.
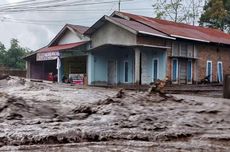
{"x":36,"y":35}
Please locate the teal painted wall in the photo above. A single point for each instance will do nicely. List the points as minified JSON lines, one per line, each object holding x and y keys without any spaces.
{"x":147,"y":64}
{"x":98,"y":65}
{"x":90,"y":68}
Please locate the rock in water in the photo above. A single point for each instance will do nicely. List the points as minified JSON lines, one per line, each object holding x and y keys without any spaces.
{"x":3,"y":76}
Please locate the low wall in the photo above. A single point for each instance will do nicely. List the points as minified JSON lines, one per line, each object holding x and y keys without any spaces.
{"x":13,"y":72}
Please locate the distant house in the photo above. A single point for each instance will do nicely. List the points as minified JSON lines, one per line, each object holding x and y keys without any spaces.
{"x":131,"y":49}
{"x":127,"y":49}
{"x":69,"y":45}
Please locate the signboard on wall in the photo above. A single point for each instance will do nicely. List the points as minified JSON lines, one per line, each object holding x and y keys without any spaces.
{"x":77,"y":78}
{"x":44,"y":56}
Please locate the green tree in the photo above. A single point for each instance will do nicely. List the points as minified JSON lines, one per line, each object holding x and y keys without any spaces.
{"x":193,"y":11}
{"x":2,"y":54}
{"x":13,"y":56}
{"x":216,"y":15}
{"x":170,"y":9}
{"x":187,"y":11}
{"x":227,"y":7}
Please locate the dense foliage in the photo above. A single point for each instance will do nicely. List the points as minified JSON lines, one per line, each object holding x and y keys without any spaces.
{"x":216,"y":15}
{"x":12,"y":57}
{"x":209,"y":13}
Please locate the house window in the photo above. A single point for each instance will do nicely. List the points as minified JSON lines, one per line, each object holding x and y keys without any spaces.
{"x":183,"y":49}
{"x":175,"y":51}
{"x":175,"y":69}
{"x":189,"y":71}
{"x":195,"y":51}
{"x":126,"y":71}
{"x":209,"y":70}
{"x":219,"y":71}
{"x":190,"y":49}
{"x":155,"y":69}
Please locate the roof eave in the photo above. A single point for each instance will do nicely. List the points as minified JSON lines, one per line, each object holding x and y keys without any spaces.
{"x":60,"y":50}
{"x":157,"y":35}
{"x":129,"y":46}
{"x":121,"y":25}
{"x":189,"y":38}
{"x":116,"y":13}
{"x":101,"y":21}
{"x":71,"y":26}
{"x":95,"y":26}
{"x":58,"y":35}
{"x":67,"y":26}
{"x":29,"y":55}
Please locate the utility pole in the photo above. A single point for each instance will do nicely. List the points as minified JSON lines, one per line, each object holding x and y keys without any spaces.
{"x":119,"y":5}
{"x":193,"y":12}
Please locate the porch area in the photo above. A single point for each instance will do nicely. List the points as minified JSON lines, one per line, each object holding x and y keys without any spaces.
{"x":59,"y":63}
{"x":110,"y":65}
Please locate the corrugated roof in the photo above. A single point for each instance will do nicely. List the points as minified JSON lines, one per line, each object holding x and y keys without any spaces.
{"x":78,"y":28}
{"x":61,"y":47}
{"x":132,"y":26}
{"x":140,"y":28}
{"x":179,"y":30}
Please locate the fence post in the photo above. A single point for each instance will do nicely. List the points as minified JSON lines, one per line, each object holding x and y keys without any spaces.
{"x":226,"y":89}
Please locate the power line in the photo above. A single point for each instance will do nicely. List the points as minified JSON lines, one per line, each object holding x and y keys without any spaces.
{"x":35,"y":21}
{"x":28,"y":6}
{"x":68,"y":4}
{"x":50,"y":22}
{"x":119,"y":5}
{"x":24,"y":22}
{"x":26,"y":1}
{"x":37,"y":3}
{"x":84,"y":10}
{"x":43,"y":23}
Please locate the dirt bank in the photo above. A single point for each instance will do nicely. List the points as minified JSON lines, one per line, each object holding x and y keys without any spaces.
{"x":63,"y":118}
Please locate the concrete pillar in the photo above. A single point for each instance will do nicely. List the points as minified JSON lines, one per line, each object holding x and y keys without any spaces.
{"x":28,"y":69}
{"x":137,"y":65}
{"x":59,"y":70}
{"x":90,"y":68}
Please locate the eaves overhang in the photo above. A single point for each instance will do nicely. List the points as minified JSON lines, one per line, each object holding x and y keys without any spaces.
{"x":128,"y":46}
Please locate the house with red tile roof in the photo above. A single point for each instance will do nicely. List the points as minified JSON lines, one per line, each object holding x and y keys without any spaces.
{"x":133,"y":49}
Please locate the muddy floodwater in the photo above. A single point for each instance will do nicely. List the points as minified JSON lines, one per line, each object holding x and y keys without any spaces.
{"x":51,"y":117}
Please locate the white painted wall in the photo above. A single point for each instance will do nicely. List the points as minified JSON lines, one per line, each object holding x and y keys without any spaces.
{"x":69,"y":37}
{"x":112,"y":34}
